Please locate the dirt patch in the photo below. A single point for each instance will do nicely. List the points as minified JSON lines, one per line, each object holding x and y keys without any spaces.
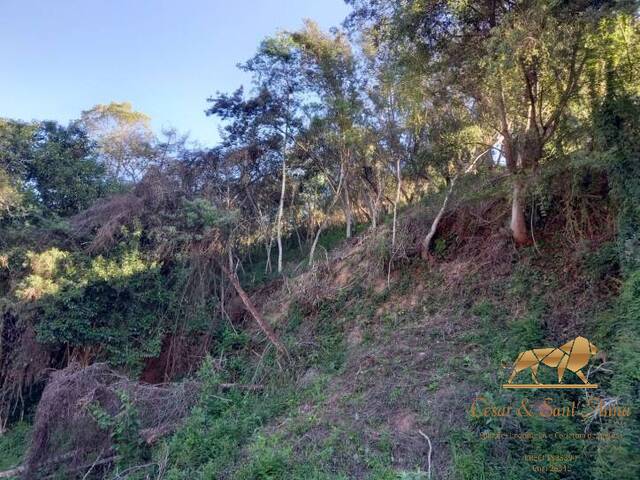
{"x":355,"y":336}
{"x":404,"y":422}
{"x":379,"y":285}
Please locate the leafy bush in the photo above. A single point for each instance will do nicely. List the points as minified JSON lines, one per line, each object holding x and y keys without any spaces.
{"x":119,"y":306}
{"x":124,"y":428}
{"x":219,"y":426}
{"x":618,"y":138}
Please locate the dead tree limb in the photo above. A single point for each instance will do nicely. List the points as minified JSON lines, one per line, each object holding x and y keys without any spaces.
{"x":240,"y":386}
{"x":426,"y":243}
{"x":257,"y":316}
{"x":430,"y":451}
{"x":14,"y":472}
{"x":395,"y":218}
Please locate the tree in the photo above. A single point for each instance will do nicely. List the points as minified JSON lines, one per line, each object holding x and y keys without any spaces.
{"x":16,"y":156}
{"x":16,"y":143}
{"x":10,"y":196}
{"x":537,"y":58}
{"x":250,"y":155}
{"x":55,"y":166}
{"x":276,"y":70}
{"x":330,"y":69}
{"x":124,"y":139}
{"x":264,"y":126}
{"x":534,"y":52}
{"x":65,"y":169}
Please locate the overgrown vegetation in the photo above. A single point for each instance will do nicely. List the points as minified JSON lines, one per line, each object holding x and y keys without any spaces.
{"x":396,"y":210}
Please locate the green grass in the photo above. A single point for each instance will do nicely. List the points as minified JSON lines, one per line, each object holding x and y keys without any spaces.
{"x":501,"y":335}
{"x":269,"y":436}
{"x":13,"y":445}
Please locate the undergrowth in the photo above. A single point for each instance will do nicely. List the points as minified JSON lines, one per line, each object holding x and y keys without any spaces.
{"x":13,"y":444}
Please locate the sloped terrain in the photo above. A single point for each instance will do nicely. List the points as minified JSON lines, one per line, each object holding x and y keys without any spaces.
{"x":383,"y":363}
{"x":384,"y":369}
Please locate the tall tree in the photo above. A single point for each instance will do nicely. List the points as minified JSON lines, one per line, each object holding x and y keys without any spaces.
{"x":264,"y":126}
{"x":65,"y":169}
{"x":276,"y":69}
{"x":534,"y":53}
{"x":55,"y":165}
{"x":124,"y":138}
{"x":331,"y":74}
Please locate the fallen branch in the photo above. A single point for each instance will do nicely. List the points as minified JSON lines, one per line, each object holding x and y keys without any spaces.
{"x":92,"y":465}
{"x":262,"y":323}
{"x":14,"y":472}
{"x":430,"y":450}
{"x":249,"y":387}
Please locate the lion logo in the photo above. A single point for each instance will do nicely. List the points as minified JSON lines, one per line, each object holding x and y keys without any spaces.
{"x":573,"y":355}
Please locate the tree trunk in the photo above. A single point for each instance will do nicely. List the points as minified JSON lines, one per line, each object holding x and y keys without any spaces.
{"x":281,"y":206}
{"x":347,"y":211}
{"x":293,"y":219}
{"x":267,"y":266}
{"x":324,"y":221}
{"x":395,"y":204}
{"x":295,"y":226}
{"x":312,"y":252}
{"x":518,"y":223}
{"x":262,"y":323}
{"x":528,"y":154}
{"x":373,"y":213}
{"x":395,"y":219}
{"x":426,"y":243}
{"x":523,"y":154}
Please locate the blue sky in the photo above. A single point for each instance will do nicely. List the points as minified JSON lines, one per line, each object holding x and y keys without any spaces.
{"x":166,"y":57}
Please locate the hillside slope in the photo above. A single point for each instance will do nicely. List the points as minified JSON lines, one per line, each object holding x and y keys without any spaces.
{"x":384,"y":370}
{"x":385,"y":360}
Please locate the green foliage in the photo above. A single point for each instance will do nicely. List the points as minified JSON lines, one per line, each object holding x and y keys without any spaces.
{"x":11,"y":198}
{"x":124,"y":429}
{"x":503,"y":337}
{"x":114,"y":306}
{"x":13,"y":445}
{"x":200,"y":214}
{"x":50,"y":270}
{"x":269,"y":461}
{"x":226,"y":432}
{"x":67,"y":175}
{"x":220,"y":425}
{"x":119,"y":306}
{"x":51,"y":166}
{"x":16,"y":143}
{"x":620,"y":330}
{"x":618,"y":129}
{"x":604,"y":262}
